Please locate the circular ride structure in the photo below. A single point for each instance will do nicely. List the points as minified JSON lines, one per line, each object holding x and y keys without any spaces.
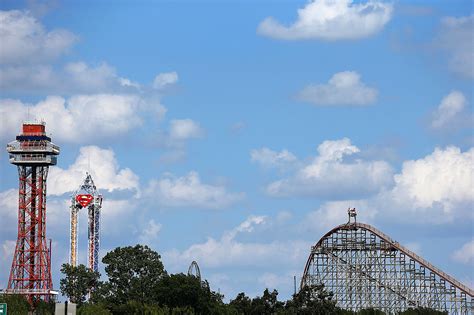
{"x":364,"y":268}
{"x":194,"y":270}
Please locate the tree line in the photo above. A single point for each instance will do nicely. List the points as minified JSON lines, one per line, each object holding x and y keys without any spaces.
{"x":139,"y":284}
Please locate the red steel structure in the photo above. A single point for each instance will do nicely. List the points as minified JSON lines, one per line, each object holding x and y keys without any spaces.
{"x":33,"y":153}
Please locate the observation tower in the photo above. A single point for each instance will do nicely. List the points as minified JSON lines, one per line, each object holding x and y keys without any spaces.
{"x":32,"y":152}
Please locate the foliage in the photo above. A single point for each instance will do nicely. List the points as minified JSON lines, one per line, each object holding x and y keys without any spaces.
{"x":266,"y":304}
{"x":139,"y":284}
{"x":16,"y":304}
{"x":312,"y":300}
{"x":93,"y":309}
{"x":78,"y":282}
{"x":133,"y":273}
{"x":242,"y":304}
{"x":422,"y":311}
{"x":370,"y":311}
{"x":43,"y":307}
{"x":181,"y":290}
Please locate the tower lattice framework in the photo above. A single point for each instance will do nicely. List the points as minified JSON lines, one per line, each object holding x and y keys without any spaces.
{"x":32,"y":152}
{"x":364,"y":268}
{"x":86,"y":197}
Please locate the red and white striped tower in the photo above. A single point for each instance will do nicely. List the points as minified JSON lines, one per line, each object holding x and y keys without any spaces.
{"x":33,"y":153}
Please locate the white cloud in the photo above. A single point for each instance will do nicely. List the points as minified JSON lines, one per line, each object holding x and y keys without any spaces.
{"x":95,"y":79}
{"x":183,"y":129}
{"x":344,"y":88}
{"x":103,"y":167}
{"x":163,"y":80}
{"x":25,"y":40}
{"x":149,"y":234}
{"x":455,"y":38}
{"x":465,"y":254}
{"x":189,"y":191}
{"x":445,"y":177}
{"x":269,"y":158}
{"x":27,"y":77}
{"x":74,"y":77}
{"x":227,"y":251}
{"x":329,"y":176}
{"x":331,"y":20}
{"x":435,"y":189}
{"x":78,"y":118}
{"x":448,"y":112}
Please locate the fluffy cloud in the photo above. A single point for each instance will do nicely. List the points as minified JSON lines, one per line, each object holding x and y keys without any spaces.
{"x":79,"y":117}
{"x":25,"y":40}
{"x":103,"y":167}
{"x":329,"y":176}
{"x":436,"y":189}
{"x":448,"y":112}
{"x":94,"y":79}
{"x":269,"y":158}
{"x":189,"y":191}
{"x":440,"y":184}
{"x":27,"y":55}
{"x":331,"y":20}
{"x":183,"y":129}
{"x":465,"y":254}
{"x":455,"y":38}
{"x":344,"y":88}
{"x":228,"y":251}
{"x":163,"y":80}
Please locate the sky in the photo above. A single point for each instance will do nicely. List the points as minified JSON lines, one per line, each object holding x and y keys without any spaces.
{"x":237,"y":133}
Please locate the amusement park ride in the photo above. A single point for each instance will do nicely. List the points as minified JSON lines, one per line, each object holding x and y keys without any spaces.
{"x":364,"y":268}
{"x":86,"y":197}
{"x":360,"y":265}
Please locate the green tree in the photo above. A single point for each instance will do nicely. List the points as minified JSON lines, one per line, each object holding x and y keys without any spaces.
{"x":312,"y":300}
{"x":266,"y":304}
{"x":93,"y":309}
{"x":78,"y":282}
{"x":180,"y":290}
{"x":242,"y":304}
{"x":133,"y":273}
{"x":44,"y":308}
{"x":17,"y":304}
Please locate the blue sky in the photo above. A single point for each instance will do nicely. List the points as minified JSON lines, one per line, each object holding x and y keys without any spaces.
{"x":237,"y":133}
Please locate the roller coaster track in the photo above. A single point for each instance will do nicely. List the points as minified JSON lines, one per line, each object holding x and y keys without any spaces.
{"x":365,"y":268}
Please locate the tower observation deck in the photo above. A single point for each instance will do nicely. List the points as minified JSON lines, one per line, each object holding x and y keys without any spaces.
{"x":32,"y":152}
